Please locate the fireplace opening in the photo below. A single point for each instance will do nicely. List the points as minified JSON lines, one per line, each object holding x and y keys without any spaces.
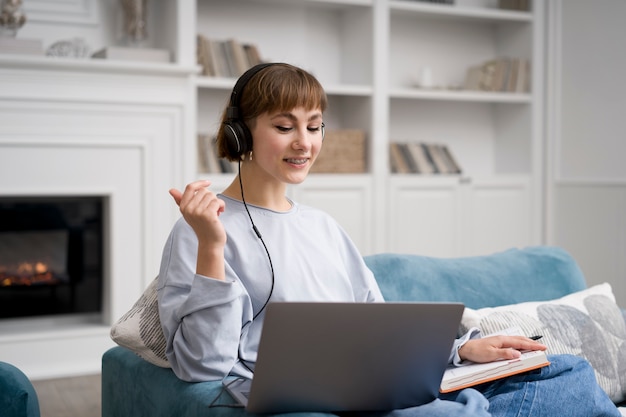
{"x":51,"y":256}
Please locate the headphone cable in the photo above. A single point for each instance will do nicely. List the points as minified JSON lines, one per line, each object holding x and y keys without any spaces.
{"x":256,"y":231}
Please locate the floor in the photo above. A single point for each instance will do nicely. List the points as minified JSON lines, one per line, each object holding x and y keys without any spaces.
{"x":80,"y":397}
{"x":70,"y":397}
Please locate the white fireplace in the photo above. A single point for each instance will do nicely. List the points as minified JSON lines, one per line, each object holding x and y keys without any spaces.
{"x":95,"y":131}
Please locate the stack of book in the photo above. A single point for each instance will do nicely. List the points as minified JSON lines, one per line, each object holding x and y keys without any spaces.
{"x":501,"y":74}
{"x":225,"y":58}
{"x":422,"y":158}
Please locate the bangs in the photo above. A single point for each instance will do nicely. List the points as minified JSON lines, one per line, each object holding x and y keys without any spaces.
{"x":284,"y":90}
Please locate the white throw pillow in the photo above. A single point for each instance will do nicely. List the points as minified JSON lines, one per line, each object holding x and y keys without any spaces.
{"x":586,"y":323}
{"x":140,"y":329}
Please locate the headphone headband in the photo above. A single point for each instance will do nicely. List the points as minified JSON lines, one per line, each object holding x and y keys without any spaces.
{"x":232,"y":113}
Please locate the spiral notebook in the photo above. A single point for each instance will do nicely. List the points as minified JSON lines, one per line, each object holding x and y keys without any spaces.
{"x":457,"y":378}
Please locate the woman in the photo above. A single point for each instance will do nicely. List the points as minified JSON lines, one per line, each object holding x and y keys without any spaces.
{"x":233,"y":252}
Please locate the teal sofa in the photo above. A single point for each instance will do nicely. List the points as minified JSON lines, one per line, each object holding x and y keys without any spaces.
{"x":133,"y":387}
{"x":17,"y":394}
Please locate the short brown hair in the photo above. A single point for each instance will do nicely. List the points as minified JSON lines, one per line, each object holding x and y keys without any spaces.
{"x":277,"y":87}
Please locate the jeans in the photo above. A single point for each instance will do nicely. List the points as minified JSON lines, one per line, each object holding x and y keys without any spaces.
{"x":567,"y":387}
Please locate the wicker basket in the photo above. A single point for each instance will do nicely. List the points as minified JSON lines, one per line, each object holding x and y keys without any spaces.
{"x":343,"y":152}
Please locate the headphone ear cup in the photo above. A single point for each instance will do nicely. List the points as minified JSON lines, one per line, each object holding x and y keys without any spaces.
{"x":236,"y":134}
{"x":238,"y":138}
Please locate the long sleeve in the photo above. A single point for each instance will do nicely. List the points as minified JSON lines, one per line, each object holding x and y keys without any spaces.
{"x":201,"y":316}
{"x":455,"y":359}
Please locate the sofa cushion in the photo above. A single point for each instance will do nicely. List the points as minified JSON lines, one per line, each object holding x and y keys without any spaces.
{"x":17,"y":394}
{"x":535,"y":273}
{"x":587,"y":324}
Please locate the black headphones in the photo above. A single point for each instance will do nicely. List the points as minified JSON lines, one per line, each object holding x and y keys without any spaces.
{"x":236,"y":134}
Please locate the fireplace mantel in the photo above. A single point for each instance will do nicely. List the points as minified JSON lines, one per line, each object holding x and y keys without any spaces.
{"x":107,"y":130}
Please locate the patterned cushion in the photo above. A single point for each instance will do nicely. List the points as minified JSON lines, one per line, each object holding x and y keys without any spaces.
{"x":140,"y":329}
{"x":587,"y":323}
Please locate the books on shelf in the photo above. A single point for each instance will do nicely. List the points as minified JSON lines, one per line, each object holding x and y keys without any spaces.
{"x":502,"y":74}
{"x":208,"y":161}
{"x":422,"y":158}
{"x":456,"y":378}
{"x":343,"y":151}
{"x":225,"y":58}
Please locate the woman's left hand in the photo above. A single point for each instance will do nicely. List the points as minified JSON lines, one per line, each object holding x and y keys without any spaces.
{"x":491,"y":348}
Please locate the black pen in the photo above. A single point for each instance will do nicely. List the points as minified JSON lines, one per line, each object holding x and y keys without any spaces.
{"x":536,"y":337}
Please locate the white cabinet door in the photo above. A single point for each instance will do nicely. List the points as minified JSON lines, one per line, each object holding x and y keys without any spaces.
{"x":497,"y":216}
{"x":424,"y":216}
{"x":446,"y":217}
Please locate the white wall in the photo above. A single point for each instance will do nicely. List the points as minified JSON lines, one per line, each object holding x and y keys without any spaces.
{"x":586,"y":123}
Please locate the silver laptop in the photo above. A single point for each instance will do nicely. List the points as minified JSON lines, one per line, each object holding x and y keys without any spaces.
{"x":334,"y":357}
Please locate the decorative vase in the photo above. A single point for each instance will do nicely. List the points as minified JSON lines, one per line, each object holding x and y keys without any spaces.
{"x":135,"y":22}
{"x":11,"y":17}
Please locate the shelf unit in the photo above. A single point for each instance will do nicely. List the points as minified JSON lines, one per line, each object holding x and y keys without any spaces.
{"x":367,"y":54}
{"x":494,"y":136}
{"x":331,"y":39}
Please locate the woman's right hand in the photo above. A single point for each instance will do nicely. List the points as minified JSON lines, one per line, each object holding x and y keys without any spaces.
{"x":201,"y":209}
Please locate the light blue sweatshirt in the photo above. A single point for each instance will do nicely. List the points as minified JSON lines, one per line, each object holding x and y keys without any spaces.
{"x":208,"y":322}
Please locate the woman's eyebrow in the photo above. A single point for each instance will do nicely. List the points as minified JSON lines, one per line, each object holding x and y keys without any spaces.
{"x":285,"y":114}
{"x":292,"y":117}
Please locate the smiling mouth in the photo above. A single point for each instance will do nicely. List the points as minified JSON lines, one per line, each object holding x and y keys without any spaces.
{"x":297,"y":161}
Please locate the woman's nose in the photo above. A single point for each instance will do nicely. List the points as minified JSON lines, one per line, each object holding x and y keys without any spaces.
{"x":302,"y":140}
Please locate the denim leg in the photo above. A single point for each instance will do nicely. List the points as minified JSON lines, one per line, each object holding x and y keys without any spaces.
{"x":468,"y":403}
{"x":567,"y":387}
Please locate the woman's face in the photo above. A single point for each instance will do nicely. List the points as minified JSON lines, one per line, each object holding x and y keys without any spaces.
{"x":285,"y":144}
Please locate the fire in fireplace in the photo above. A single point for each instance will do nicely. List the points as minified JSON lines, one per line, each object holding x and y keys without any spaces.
{"x":33,"y":258}
{"x":51,"y":256}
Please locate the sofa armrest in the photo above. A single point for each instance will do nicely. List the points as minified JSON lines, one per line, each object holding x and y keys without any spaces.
{"x":18,"y":397}
{"x":132,"y":386}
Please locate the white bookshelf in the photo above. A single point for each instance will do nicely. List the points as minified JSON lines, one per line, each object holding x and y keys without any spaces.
{"x":367,"y":54}
{"x":493,"y":135}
